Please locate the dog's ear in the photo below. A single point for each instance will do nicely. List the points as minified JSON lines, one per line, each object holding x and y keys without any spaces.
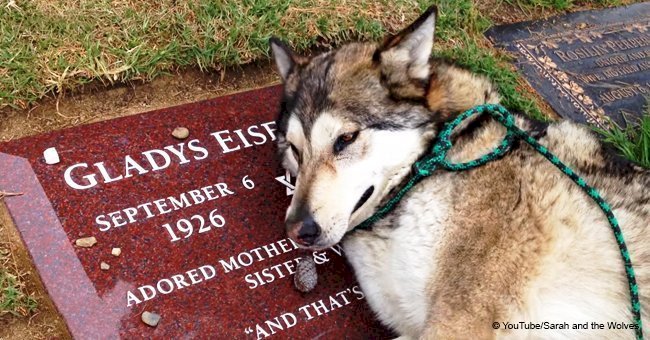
{"x":285,"y":59}
{"x":412,"y":46}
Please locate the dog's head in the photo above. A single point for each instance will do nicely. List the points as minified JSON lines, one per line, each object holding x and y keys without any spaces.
{"x":352,"y":122}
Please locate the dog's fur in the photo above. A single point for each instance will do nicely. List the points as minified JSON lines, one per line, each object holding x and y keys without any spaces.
{"x":514,"y":240}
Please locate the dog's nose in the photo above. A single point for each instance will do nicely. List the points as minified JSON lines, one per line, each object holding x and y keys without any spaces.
{"x":309,"y":231}
{"x":303,"y":229}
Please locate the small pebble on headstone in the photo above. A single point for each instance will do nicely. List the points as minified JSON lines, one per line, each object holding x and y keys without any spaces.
{"x":51,"y":156}
{"x":150,"y":319}
{"x":104,"y":266}
{"x":116,"y":251}
{"x":306,"y":277}
{"x":86,"y":242}
{"x":180,"y":132}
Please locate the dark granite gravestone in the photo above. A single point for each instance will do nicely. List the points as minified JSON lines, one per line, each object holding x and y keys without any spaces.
{"x":199,"y":223}
{"x":588,"y":65}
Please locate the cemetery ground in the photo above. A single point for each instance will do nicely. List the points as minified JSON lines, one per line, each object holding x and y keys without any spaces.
{"x":63,"y":65}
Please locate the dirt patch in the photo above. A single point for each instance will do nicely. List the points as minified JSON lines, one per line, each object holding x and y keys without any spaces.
{"x":95,"y":103}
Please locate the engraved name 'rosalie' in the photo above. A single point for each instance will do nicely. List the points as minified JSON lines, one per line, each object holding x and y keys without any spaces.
{"x":81,"y":176}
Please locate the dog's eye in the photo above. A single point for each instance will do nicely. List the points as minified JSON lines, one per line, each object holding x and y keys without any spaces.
{"x":296,"y":154}
{"x":344,"y":140}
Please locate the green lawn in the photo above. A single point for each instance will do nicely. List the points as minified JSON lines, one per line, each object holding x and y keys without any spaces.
{"x":52,"y":46}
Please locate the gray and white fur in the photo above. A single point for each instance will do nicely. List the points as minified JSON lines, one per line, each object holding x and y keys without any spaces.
{"x":512,"y":241}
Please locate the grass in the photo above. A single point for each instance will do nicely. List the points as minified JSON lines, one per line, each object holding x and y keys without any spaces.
{"x":633,"y":140}
{"x":13,"y":299}
{"x":49,"y":46}
{"x":53,"y":46}
{"x":562,"y":5}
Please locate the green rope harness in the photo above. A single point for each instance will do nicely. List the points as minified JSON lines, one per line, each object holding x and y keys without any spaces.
{"x":436,"y":158}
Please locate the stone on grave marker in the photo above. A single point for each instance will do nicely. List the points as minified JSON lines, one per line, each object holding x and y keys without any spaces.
{"x":51,"y":156}
{"x":151,"y":319}
{"x":590,"y":66}
{"x":180,"y":132}
{"x":86,"y":242}
{"x":200,"y":223}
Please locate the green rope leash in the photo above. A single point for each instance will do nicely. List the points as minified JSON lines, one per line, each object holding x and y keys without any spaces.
{"x":436,"y":158}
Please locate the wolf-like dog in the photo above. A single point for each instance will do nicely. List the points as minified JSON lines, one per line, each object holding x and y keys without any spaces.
{"x":512,"y":249}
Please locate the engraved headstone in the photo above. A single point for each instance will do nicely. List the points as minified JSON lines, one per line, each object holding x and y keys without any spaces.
{"x":189,"y":231}
{"x":588,"y":65}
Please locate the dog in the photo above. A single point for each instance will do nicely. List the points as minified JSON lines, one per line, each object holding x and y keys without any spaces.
{"x":511,"y":249}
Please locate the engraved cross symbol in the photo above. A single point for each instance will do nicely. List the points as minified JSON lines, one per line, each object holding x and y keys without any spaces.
{"x":286,"y":181}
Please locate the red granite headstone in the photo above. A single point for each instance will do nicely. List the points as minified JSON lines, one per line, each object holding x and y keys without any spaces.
{"x":199,"y":223}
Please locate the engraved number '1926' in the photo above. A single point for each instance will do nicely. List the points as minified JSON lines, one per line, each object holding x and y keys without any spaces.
{"x":186,"y":225}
